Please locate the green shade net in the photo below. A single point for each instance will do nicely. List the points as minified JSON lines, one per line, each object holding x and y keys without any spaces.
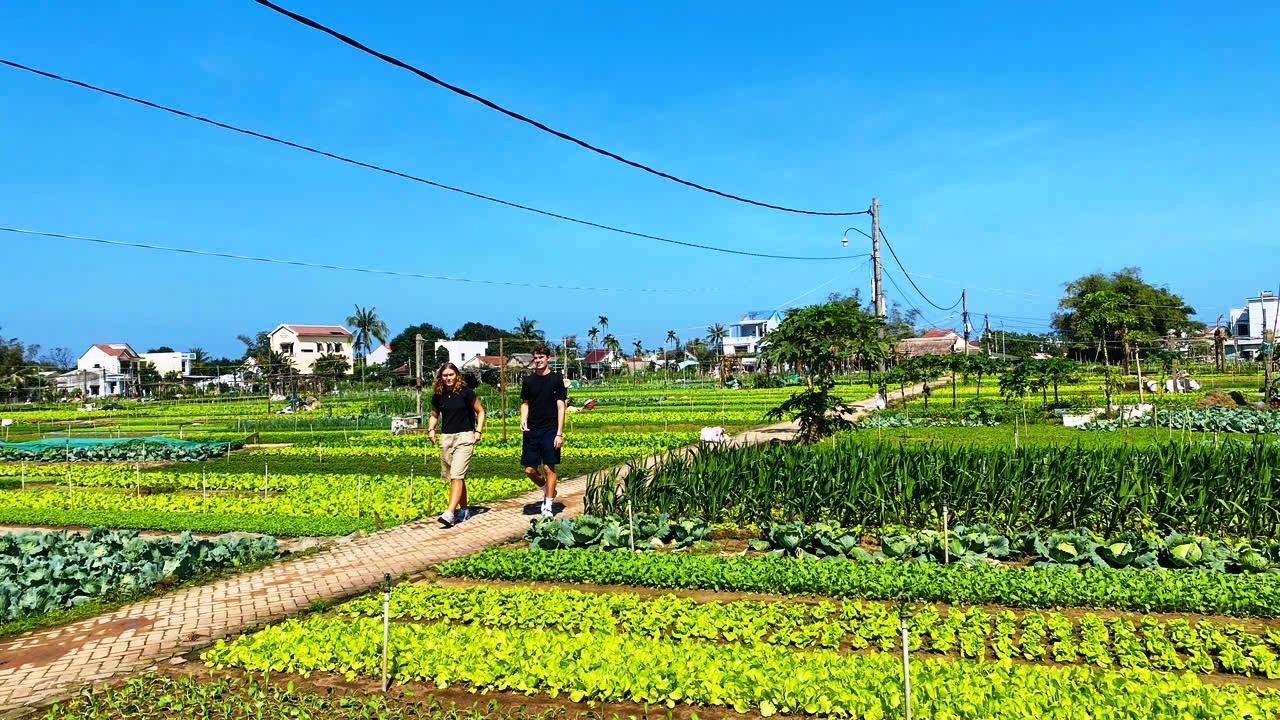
{"x":61,"y":443}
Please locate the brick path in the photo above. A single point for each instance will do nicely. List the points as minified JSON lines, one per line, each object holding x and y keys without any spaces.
{"x":49,"y":663}
{"x":42,"y":665}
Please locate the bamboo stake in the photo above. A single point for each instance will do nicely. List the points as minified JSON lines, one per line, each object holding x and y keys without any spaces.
{"x":906,"y":664}
{"x":386,"y":627}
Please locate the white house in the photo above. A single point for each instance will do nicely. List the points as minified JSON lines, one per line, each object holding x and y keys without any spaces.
{"x":304,"y":343}
{"x":1246,"y":326}
{"x":167,"y":362}
{"x":378,"y":355}
{"x":745,"y":335}
{"x":460,"y":351}
{"x":104,"y":369}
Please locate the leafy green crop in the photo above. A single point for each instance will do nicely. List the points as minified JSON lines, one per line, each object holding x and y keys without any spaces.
{"x":849,"y":625}
{"x":48,"y":451}
{"x":41,"y":572}
{"x":1031,"y":587}
{"x":1224,"y":420}
{"x":974,"y":544}
{"x":615,"y":532}
{"x":609,"y":667}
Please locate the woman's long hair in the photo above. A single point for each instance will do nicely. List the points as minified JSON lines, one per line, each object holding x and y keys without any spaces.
{"x":438,"y":387}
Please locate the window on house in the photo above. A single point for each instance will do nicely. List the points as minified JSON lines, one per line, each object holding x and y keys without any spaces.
{"x":286,"y":348}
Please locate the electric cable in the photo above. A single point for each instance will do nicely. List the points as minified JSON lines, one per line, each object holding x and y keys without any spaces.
{"x":328,"y":266}
{"x":907,"y":275}
{"x":405,"y":175}
{"x":530,"y":121}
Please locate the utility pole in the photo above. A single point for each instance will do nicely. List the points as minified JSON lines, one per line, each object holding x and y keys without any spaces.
{"x":986,"y":331}
{"x":878,"y":290}
{"x":502,"y":385}
{"x":418,"y":342}
{"x":964,"y":304}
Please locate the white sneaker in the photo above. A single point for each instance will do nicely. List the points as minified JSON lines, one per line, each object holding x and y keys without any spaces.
{"x":447,"y":519}
{"x":547,"y":510}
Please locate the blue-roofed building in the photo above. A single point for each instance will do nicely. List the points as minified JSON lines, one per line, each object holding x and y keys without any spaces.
{"x":745,"y":335}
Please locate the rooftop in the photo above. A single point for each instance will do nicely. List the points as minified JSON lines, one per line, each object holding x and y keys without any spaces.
{"x":318,"y":330}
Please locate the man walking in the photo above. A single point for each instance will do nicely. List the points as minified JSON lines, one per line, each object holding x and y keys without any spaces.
{"x":542,"y":403}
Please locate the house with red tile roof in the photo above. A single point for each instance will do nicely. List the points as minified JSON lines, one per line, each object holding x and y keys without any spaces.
{"x":104,"y":369}
{"x":302,"y":344}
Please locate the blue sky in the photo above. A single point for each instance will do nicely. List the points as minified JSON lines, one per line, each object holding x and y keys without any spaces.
{"x":1012,"y":148}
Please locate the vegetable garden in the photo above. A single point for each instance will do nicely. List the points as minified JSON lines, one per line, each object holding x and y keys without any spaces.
{"x":1098,"y":578}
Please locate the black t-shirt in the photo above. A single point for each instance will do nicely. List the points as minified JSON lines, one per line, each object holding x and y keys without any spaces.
{"x":457,"y":410}
{"x":542,"y":392}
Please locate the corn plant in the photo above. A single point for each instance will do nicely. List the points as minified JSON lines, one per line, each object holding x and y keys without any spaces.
{"x":1229,"y":489}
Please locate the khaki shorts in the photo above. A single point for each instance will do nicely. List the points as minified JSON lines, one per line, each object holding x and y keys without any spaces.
{"x":455,"y":454}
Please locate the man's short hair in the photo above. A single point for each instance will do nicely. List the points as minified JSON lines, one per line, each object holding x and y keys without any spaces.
{"x":541,"y":349}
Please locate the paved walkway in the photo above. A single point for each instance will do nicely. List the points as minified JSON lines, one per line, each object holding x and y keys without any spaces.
{"x":41,"y":665}
{"x":45,"y":664}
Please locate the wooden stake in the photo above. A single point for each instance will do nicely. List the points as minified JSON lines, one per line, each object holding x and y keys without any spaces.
{"x":502,"y":384}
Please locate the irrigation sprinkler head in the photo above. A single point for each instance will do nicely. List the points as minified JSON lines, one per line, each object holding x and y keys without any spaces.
{"x":386,"y":582}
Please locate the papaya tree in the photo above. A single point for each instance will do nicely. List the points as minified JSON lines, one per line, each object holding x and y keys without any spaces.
{"x":816,"y":339}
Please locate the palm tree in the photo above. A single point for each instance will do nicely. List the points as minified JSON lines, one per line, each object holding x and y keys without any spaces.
{"x":18,"y":377}
{"x":368,"y":326}
{"x":528,"y":331}
{"x":592,"y":334}
{"x":716,"y":335}
{"x":675,"y":349}
{"x":331,"y":365}
{"x":603,"y":322}
{"x":611,"y":343}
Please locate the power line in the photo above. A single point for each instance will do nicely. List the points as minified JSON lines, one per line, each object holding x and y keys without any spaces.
{"x":400,"y":174}
{"x":328,"y":266}
{"x":530,"y":121}
{"x":907,"y":275}
{"x":783,"y":305}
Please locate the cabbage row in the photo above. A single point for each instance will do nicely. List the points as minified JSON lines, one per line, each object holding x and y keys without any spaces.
{"x":47,"y":572}
{"x":1030,"y":587}
{"x":1223,"y":420}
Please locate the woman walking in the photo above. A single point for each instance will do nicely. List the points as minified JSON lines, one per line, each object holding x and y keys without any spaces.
{"x":460,"y":416}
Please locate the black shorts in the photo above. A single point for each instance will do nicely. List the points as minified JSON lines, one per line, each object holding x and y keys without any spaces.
{"x":539,"y":448}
